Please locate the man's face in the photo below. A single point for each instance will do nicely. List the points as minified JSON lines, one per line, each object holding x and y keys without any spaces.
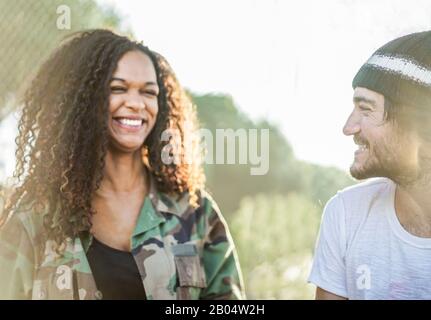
{"x":383,"y":150}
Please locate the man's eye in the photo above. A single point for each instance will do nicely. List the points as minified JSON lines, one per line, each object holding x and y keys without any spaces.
{"x":366,"y":109}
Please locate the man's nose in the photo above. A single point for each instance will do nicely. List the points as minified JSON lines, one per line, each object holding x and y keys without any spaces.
{"x":352,"y":126}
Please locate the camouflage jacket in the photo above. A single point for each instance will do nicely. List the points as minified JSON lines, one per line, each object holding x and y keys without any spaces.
{"x":181,"y":253}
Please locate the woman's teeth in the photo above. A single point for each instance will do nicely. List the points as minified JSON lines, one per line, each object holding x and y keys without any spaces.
{"x":130,"y":122}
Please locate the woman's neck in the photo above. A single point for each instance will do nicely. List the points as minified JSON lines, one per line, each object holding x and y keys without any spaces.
{"x":123,"y":173}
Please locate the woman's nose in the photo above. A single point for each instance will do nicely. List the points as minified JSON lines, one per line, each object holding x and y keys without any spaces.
{"x":135,"y":101}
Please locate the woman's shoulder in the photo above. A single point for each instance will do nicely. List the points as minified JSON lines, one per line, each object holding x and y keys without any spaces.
{"x":208,"y":203}
{"x":24,"y":222}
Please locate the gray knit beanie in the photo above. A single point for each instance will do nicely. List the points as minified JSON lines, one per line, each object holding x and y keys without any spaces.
{"x":401,"y":71}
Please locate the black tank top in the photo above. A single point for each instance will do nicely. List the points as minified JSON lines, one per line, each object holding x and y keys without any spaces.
{"x":115,"y":273}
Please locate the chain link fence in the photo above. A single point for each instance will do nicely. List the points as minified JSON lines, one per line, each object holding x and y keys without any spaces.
{"x":30,"y":30}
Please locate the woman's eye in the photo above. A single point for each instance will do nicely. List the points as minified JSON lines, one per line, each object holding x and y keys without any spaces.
{"x":117,"y":89}
{"x":151,"y":93}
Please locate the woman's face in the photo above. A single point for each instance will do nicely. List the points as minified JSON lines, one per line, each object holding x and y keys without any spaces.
{"x":133,"y":103}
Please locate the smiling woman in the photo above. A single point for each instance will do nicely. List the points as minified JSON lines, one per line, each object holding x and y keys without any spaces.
{"x":133,"y":87}
{"x":95,"y":212}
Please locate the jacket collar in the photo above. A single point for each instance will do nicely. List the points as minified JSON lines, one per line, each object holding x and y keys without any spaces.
{"x":163,"y":202}
{"x":152,"y":212}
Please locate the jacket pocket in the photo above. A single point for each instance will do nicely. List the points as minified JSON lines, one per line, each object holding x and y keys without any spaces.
{"x":191,"y":274}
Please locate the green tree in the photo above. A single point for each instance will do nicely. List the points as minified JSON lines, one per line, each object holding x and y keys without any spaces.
{"x":30,"y":32}
{"x":275,"y":236}
{"x":231,"y":182}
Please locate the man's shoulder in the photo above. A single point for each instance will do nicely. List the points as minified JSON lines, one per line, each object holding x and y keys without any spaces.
{"x":365,"y":190}
{"x":355,"y":202}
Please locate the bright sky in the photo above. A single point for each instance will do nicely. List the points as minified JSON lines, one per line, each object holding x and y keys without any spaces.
{"x":289,"y":61}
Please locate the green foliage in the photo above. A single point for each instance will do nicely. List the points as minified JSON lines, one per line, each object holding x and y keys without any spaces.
{"x":325,"y":182}
{"x":231,"y":182}
{"x":30,"y":33}
{"x":275,"y":236}
{"x":274,"y":218}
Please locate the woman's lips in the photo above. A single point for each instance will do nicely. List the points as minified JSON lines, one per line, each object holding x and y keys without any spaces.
{"x":129,"y":127}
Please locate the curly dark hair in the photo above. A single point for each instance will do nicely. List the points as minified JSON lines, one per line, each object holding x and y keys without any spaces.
{"x":63,"y":136}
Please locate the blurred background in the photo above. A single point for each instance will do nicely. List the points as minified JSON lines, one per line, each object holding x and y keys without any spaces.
{"x":285,"y":66}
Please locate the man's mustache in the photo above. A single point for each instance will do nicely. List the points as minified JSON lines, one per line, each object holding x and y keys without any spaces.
{"x":360,"y":140}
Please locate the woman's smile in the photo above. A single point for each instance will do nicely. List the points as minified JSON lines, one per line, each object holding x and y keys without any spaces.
{"x":129,"y":124}
{"x":133,"y":103}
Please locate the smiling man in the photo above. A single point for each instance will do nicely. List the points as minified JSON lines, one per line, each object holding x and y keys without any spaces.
{"x":375,"y":237}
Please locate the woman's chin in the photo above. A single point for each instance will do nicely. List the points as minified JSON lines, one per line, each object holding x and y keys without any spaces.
{"x":128,"y":146}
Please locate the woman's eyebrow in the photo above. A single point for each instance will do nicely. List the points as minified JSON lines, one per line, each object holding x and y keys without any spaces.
{"x":118,"y":79}
{"x":123,"y":80}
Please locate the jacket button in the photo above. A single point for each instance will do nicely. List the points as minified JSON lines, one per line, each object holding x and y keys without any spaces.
{"x":98,"y":295}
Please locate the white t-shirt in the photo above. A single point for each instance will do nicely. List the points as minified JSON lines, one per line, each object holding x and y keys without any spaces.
{"x":363,"y":252}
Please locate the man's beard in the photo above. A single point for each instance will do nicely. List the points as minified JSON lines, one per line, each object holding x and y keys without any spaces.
{"x":386,"y":159}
